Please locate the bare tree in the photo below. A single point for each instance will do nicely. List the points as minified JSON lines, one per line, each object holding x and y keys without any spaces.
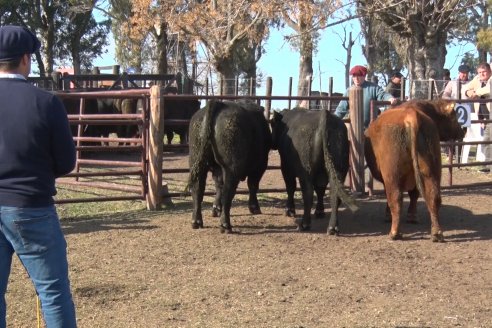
{"x":421,"y":29}
{"x":306,"y":19}
{"x":379,"y":48}
{"x":223,"y":26}
{"x":347,"y":44}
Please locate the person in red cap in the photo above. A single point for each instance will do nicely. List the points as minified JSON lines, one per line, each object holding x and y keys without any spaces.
{"x":36,"y":147}
{"x":370,"y":92}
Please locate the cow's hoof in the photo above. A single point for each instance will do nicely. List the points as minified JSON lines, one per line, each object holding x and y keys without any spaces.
{"x":396,"y":236}
{"x":303,"y":225}
{"x":225,"y":229}
{"x":216,"y":211}
{"x":319,"y":214}
{"x":290,"y":212}
{"x":254,"y":210}
{"x":437,"y":237}
{"x":333,"y":231}
{"x":197,"y":225}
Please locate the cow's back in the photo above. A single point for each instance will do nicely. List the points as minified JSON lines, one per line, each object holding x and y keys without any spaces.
{"x":242,"y":139}
{"x":300,"y":142}
{"x":388,"y":146}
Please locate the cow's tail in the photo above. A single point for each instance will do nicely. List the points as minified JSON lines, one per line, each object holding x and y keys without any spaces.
{"x":205,"y":144}
{"x":412,"y":133}
{"x":335,"y":184}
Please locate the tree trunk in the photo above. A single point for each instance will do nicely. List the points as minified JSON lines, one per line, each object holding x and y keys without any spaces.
{"x":348,"y":60}
{"x":305,"y":65}
{"x":426,"y":56}
{"x":225,"y":68}
{"x":162,"y":43}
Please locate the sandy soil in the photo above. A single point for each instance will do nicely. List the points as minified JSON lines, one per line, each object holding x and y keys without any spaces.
{"x":135,"y":268}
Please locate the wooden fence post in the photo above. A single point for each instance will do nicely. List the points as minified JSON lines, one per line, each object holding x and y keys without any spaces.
{"x":268,"y":102}
{"x":357,"y":139}
{"x":330,"y":92}
{"x":156,"y":132}
{"x":290,"y":93}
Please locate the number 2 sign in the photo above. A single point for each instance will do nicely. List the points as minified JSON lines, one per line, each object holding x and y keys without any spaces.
{"x":463,"y":112}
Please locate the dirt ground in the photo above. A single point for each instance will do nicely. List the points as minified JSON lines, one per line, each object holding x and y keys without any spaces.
{"x":134,"y":268}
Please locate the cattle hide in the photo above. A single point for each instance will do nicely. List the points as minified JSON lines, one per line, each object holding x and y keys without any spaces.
{"x":103,"y":106}
{"x":402,"y":150}
{"x":178,"y":109}
{"x":313,"y":147}
{"x":116,"y":106}
{"x":232,"y":140}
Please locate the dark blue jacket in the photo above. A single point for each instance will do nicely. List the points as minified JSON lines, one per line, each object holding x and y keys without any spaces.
{"x":36,"y":145}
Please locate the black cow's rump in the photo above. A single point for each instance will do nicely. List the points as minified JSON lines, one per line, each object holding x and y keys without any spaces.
{"x":232,"y":140}
{"x":313,"y":147}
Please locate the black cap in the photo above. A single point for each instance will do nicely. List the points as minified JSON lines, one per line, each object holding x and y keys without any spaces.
{"x":396,"y":74}
{"x":15,"y":41}
{"x":464,"y":69}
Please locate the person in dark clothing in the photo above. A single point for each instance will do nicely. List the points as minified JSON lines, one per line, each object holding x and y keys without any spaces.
{"x":36,"y":147}
{"x":394,"y":86}
{"x":370,"y":91}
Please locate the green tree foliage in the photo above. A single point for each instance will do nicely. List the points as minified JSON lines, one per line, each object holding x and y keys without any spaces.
{"x":65,"y":28}
{"x":80,"y":38}
{"x":482,"y":30}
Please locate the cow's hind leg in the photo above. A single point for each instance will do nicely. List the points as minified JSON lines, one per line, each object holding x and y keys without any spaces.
{"x":197,"y":191}
{"x":333,"y":224}
{"x":219,"y":183}
{"x":432,"y":196}
{"x":253,"y":186}
{"x":228,"y":192}
{"x":412,"y":208}
{"x":319,"y":212}
{"x":290,"y":186}
{"x":395,"y":199}
{"x":307,"y":197}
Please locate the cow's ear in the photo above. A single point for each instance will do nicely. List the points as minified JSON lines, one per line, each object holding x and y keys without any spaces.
{"x":275,"y":117}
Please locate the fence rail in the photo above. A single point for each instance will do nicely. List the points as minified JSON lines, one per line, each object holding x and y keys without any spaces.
{"x":151,"y":148}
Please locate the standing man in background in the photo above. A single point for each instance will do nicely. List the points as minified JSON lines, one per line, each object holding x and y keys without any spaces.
{"x":36,"y":147}
{"x":370,"y":92}
{"x":479,"y":88}
{"x":394,"y":85}
{"x":451,"y":89}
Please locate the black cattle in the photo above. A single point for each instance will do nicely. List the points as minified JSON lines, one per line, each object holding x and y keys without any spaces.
{"x":72,"y":106}
{"x":104,"y":106}
{"x":178,"y":109}
{"x":231,"y":139}
{"x":313,"y":147}
{"x":116,"y":106}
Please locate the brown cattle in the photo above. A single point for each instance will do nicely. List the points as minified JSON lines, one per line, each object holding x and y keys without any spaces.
{"x":402,"y":151}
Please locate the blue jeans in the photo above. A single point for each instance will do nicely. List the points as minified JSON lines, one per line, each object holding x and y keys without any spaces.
{"x":35,"y":235}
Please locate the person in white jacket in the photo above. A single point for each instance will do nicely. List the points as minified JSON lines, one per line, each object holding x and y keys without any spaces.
{"x":479,"y":88}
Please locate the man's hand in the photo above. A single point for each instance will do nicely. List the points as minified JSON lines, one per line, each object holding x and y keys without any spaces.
{"x":393,"y":101}
{"x":471,"y":94}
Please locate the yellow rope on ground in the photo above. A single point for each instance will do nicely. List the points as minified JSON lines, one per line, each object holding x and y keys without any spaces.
{"x":38,"y":310}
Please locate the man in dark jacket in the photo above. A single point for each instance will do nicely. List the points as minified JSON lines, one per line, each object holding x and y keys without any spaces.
{"x":36,"y":147}
{"x":394,"y":85}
